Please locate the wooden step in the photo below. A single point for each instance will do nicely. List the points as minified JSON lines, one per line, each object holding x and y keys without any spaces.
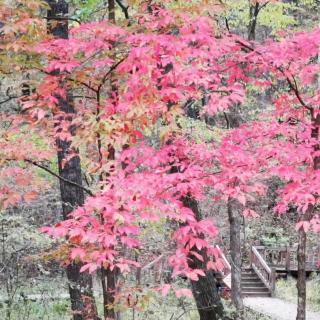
{"x":250,"y":279}
{"x":252,"y":284}
{"x":256,"y":294}
{"x":246,"y":278}
{"x":255,"y":289}
{"x":247,"y":275}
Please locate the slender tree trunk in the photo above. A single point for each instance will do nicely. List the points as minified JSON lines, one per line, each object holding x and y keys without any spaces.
{"x":109,"y":285}
{"x":109,"y":278}
{"x":302,"y":236}
{"x":111,"y":10}
{"x":80,"y":284}
{"x":301,"y":283}
{"x":205,"y":290}
{"x":236,"y":258}
{"x":253,"y":17}
{"x":234,"y":208}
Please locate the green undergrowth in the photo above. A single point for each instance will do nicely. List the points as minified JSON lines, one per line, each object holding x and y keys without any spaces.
{"x":286,"y":289}
{"x":149,"y":305}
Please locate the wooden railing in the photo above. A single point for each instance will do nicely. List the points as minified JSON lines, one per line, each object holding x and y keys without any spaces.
{"x":226,"y":265}
{"x":153,"y":272}
{"x":285,"y":258}
{"x":264,"y":272}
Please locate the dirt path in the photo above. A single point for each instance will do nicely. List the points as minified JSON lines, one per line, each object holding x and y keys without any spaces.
{"x":277,"y":309}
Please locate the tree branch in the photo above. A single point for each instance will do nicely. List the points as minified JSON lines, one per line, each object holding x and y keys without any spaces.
{"x":292,"y":84}
{"x":112,"y":68}
{"x":88,"y":191}
{"x":8,"y":99}
{"x":123,"y":8}
{"x":61,"y":19}
{"x":36,"y":164}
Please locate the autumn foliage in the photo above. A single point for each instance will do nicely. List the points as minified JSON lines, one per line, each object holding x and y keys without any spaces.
{"x":125,"y":82}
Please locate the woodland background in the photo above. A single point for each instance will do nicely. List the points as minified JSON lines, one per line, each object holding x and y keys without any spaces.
{"x":33,"y":281}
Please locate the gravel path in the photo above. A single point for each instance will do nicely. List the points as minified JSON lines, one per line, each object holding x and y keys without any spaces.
{"x":277,"y":309}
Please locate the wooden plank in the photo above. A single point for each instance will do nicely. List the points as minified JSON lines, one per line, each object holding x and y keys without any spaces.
{"x":227,"y":280}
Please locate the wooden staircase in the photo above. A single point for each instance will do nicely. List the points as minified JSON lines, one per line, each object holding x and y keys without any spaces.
{"x":256,"y":281}
{"x":259,"y":279}
{"x":252,"y":285}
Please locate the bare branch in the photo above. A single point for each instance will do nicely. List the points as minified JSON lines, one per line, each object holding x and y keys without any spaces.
{"x":112,"y":68}
{"x":292,"y":83}
{"x":88,"y":191}
{"x":123,"y":8}
{"x":45,"y":168}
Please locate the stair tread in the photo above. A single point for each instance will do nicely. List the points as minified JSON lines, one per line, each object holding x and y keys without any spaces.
{"x":255,"y":289}
{"x":249,"y":285}
{"x":251,"y":280}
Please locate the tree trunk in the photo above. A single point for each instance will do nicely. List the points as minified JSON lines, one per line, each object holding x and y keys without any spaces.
{"x":301,"y":283}
{"x":109,"y":285}
{"x":236,"y":259}
{"x":253,"y":16}
{"x":111,"y":11}
{"x":205,"y":290}
{"x":233,"y":119}
{"x":80,"y":284}
{"x":302,"y":236}
{"x":108,"y":277}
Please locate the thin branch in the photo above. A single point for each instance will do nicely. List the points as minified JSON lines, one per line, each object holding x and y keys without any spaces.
{"x":292,"y":85}
{"x":62,"y":19}
{"x":123,"y":8}
{"x":84,"y":84}
{"x":36,"y":164}
{"x":88,"y":191}
{"x":82,"y":97}
{"x":227,"y":24}
{"x":227,"y":120}
{"x":263,"y":5}
{"x":8,"y":99}
{"x":112,"y":68}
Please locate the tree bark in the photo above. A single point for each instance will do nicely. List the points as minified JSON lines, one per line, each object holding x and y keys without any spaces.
{"x":301,"y":283}
{"x":253,"y":16}
{"x":109,"y":285}
{"x":108,"y":277}
{"x":205,"y":290}
{"x":111,"y":11}
{"x":233,"y":119}
{"x":236,"y":258}
{"x":80,"y":284}
{"x":302,"y":236}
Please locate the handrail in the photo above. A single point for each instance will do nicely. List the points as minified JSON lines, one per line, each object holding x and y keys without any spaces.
{"x":152,"y":263}
{"x":264,"y":272}
{"x":262,"y":261}
{"x":285,"y":257}
{"x":155,"y":266}
{"x":224,"y":261}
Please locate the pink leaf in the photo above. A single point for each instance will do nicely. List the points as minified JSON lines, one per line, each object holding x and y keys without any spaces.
{"x":165,"y":289}
{"x":183,"y":293}
{"x":303,"y":225}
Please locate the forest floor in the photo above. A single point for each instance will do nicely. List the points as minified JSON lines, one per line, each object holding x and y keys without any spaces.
{"x":277,"y":309}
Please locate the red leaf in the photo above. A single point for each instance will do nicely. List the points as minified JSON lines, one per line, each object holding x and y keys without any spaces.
{"x":29,"y":196}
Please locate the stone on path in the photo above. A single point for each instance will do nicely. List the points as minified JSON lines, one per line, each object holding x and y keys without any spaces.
{"x":277,"y":309}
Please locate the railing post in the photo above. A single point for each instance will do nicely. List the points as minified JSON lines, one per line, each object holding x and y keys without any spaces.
{"x":273,"y":282}
{"x":287,"y":259}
